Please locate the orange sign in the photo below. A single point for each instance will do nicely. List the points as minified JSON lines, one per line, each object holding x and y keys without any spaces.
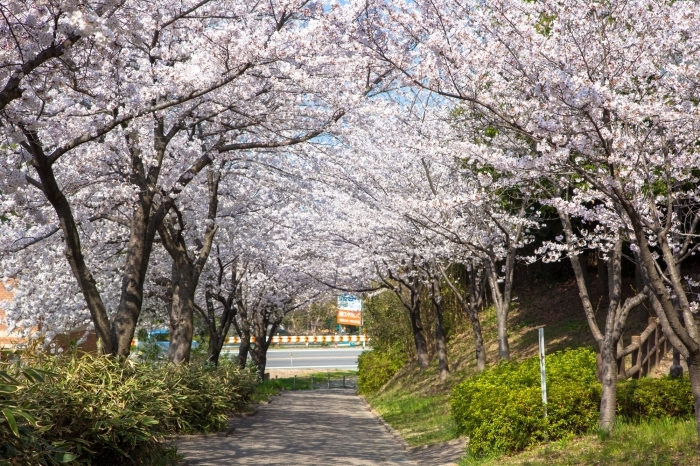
{"x":349,"y":317}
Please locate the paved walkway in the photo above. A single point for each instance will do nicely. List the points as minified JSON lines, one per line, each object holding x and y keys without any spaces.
{"x":318,"y":427}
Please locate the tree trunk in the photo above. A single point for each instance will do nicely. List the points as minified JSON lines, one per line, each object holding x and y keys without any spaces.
{"x":608,"y":400}
{"x":694,"y":372}
{"x":214,"y":355}
{"x":502,"y":323}
{"x":137,"y":258}
{"x":243,"y":351}
{"x":603,"y":287}
{"x":181,"y":312}
{"x":471,"y":306}
{"x":441,"y":344}
{"x":615,"y":318}
{"x":440,"y":341}
{"x":501,"y":302}
{"x":259,"y":356}
{"x":478,"y":344}
{"x":419,"y":337}
{"x":583,"y":262}
{"x":73,"y":250}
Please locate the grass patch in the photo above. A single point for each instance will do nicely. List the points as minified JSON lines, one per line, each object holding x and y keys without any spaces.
{"x":419,"y":419}
{"x":273,"y":387}
{"x":657,"y":442}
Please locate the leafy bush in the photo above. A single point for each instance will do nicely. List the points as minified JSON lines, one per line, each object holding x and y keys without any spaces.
{"x":206,"y":395}
{"x":375,"y":368}
{"x":501,"y":409}
{"x":100,"y":410}
{"x":20,"y":435}
{"x":649,"y":398}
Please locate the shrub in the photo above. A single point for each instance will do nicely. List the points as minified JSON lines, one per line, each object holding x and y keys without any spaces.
{"x":100,"y":410}
{"x":375,"y":368}
{"x":501,"y":409}
{"x":20,"y":435}
{"x":206,"y":395}
{"x":649,"y":398}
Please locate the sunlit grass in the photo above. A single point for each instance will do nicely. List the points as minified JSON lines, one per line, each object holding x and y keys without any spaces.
{"x":419,"y":419}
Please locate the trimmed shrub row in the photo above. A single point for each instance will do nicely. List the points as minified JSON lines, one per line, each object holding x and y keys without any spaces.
{"x":501,"y":409}
{"x":375,"y":368}
{"x":647,"y":398}
{"x":99,"y":410}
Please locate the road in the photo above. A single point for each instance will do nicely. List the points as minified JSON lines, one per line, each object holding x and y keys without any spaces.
{"x":313,"y":358}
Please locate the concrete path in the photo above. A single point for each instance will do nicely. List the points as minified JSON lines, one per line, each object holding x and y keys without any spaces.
{"x":318,"y":427}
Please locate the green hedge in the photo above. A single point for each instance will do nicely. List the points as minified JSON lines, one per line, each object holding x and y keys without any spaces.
{"x":649,"y":398}
{"x":501,"y":408}
{"x":375,"y":368}
{"x":100,"y":410}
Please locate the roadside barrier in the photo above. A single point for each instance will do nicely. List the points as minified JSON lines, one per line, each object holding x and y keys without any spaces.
{"x":298,"y":339}
{"x":308,"y":339}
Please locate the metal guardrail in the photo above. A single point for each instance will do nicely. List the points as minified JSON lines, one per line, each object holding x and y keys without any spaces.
{"x":308,"y":339}
{"x":298,"y":339}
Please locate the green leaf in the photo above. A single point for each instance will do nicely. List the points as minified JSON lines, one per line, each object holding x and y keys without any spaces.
{"x":26,"y":416}
{"x":36,"y":375}
{"x":8,"y":388}
{"x":11,"y":421}
{"x":64,"y":457}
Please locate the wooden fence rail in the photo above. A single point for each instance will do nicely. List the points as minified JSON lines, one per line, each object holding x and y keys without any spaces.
{"x":646,"y":351}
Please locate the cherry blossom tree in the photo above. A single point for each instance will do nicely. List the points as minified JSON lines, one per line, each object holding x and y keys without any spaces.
{"x":603,"y":92}
{"x":154,"y":95}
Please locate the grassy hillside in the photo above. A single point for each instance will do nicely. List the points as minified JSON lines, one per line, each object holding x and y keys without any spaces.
{"x":417,"y":405}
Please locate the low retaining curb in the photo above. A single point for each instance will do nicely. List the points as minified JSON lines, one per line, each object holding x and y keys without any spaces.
{"x":386,"y":425}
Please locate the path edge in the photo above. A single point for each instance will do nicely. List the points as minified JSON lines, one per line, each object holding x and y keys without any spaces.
{"x":386,"y":425}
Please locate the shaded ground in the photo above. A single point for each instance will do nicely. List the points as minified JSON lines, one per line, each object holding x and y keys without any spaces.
{"x":440,"y":454}
{"x":301,"y":428}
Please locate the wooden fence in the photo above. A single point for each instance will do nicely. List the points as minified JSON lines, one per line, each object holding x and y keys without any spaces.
{"x":646,"y":350}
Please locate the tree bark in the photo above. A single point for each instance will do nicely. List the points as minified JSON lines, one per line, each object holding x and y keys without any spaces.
{"x":603,"y":287}
{"x":142,"y":231}
{"x":502,"y":330}
{"x":501,"y":299}
{"x":694,"y":372}
{"x":615,"y":319}
{"x":243,"y":331}
{"x":608,"y":401}
{"x":181,"y":313}
{"x":137,"y":258}
{"x":440,"y":340}
{"x":73,"y":251}
{"x":419,"y":337}
{"x":265,"y":324}
{"x":186,"y":270}
{"x":259,"y":356}
{"x":413,"y":287}
{"x":583,"y":261}
{"x":441,"y":345}
{"x":471,"y":306}
{"x":243,"y":351}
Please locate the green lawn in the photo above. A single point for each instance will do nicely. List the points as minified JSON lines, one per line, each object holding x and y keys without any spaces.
{"x":418,"y":418}
{"x":661,"y":442}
